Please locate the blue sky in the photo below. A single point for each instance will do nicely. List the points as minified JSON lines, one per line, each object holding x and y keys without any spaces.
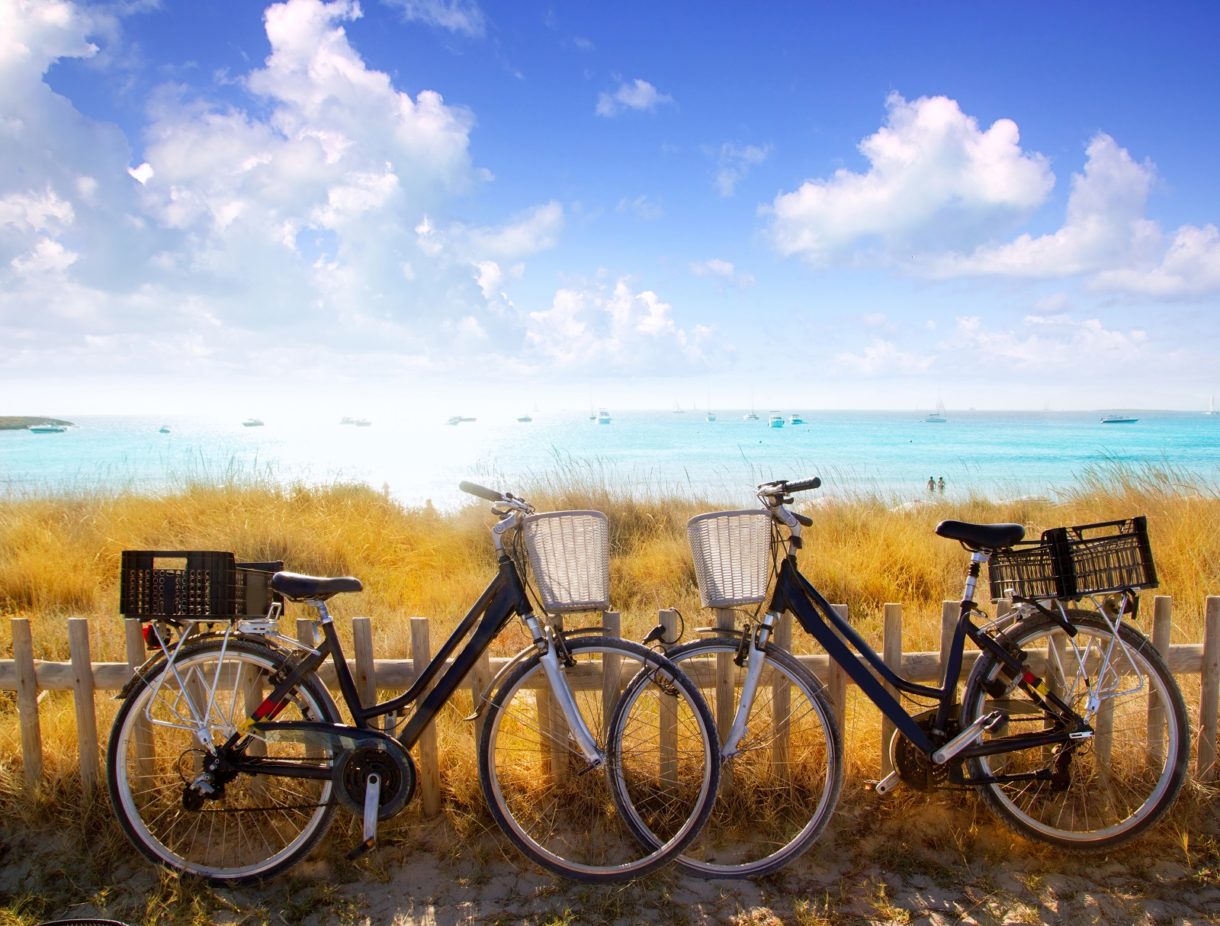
{"x":444,"y":205}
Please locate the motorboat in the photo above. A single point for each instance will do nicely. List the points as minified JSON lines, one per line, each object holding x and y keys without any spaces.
{"x":46,"y":428}
{"x":795,"y":418}
{"x":252,"y":423}
{"x":1118,"y":419}
{"x":775,"y":420}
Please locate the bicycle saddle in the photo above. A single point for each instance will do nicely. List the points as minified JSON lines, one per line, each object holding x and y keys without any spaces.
{"x":296,"y":587}
{"x":981,"y":536}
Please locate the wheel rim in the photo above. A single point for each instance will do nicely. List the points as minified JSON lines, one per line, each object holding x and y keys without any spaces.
{"x":558,"y":810}
{"x":778,"y":792}
{"x":1117,"y":781}
{"x":261,"y":823}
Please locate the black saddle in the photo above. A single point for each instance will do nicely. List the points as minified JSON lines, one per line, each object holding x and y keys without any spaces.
{"x":981,"y":536}
{"x":296,"y":587}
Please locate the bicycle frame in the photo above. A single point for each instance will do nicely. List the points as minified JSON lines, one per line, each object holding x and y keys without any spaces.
{"x":503,"y":599}
{"x":793,"y":592}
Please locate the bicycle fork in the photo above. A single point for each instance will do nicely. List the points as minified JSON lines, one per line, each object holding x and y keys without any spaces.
{"x":561,"y":691}
{"x":754,"y":646}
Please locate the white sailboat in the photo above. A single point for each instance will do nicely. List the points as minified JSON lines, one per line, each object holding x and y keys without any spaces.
{"x":1211,"y":405}
{"x":938,"y":416}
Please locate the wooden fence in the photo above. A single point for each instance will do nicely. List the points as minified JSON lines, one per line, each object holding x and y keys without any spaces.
{"x":28,"y":677}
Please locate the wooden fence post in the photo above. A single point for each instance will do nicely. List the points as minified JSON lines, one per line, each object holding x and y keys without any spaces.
{"x":612,"y":670}
{"x":27,"y":703}
{"x":891,"y":653}
{"x":668,"y":736}
{"x":1209,"y":691}
{"x":86,"y":720}
{"x":836,"y":684}
{"x":137,"y":654}
{"x":429,"y":764}
{"x":949,"y":612}
{"x":1162,"y":617}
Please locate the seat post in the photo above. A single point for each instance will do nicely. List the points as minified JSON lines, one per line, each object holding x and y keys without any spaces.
{"x":977,"y":558}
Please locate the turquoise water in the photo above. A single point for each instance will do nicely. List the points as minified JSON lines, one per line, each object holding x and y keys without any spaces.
{"x":1000,"y":454}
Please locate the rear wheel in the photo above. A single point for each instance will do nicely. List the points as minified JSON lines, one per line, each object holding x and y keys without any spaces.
{"x":254,"y":825}
{"x":1103,"y":790}
{"x":660,"y":765}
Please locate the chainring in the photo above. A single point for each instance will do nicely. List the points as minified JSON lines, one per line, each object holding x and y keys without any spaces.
{"x":916,"y":767}
{"x":389,"y":761}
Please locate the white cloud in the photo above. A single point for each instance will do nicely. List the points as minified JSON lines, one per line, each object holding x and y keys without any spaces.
{"x":882,"y":357}
{"x":599,"y":328}
{"x":932,"y":171}
{"x":462,"y":16}
{"x":1190,"y":267}
{"x":36,"y":212}
{"x":1053,"y":342}
{"x":638,"y":95}
{"x":734,"y":162}
{"x":47,"y":257}
{"x":724,"y":271}
{"x":1104,"y":225}
{"x":643,"y":208}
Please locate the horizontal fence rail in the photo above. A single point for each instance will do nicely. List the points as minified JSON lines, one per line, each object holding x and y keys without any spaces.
{"x":28,"y":677}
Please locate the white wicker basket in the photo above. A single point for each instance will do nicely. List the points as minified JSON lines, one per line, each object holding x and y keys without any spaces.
{"x":569,"y":554}
{"x":732,"y":553}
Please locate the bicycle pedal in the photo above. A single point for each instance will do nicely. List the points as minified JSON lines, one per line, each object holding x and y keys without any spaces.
{"x":887,"y":784}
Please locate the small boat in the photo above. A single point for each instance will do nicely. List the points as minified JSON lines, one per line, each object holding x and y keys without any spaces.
{"x":775,"y":420}
{"x":252,"y":423}
{"x":794,"y":418}
{"x":458,"y":419}
{"x":938,"y":416}
{"x":362,"y":423}
{"x":164,"y":429}
{"x":525,"y":419}
{"x":749,"y":416}
{"x":46,"y":428}
{"x":1118,"y":419}
{"x":711,"y":416}
{"x":1211,"y":405}
{"x":603,"y":417}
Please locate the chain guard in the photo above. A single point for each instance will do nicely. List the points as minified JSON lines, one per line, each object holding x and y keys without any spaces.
{"x":389,"y":761}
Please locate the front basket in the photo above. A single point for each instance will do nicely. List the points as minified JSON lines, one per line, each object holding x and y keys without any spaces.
{"x":732,"y":554}
{"x":569,"y":554}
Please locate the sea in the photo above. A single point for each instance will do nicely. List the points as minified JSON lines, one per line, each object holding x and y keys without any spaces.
{"x":421,"y":460}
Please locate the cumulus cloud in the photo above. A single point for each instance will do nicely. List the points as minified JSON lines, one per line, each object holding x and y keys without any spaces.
{"x":594,"y":326}
{"x":1104,"y":226}
{"x":883,"y":357}
{"x":734,"y":162}
{"x":463,"y":16}
{"x":930,"y":167}
{"x":638,"y":95}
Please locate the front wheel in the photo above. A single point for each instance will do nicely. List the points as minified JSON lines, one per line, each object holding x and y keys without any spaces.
{"x":660,"y":761}
{"x":252,"y":826}
{"x":1100,"y":791}
{"x":779,"y":789}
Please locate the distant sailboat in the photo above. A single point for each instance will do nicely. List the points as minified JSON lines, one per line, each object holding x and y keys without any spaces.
{"x":1211,"y":405}
{"x":603,"y":417}
{"x":938,"y":416}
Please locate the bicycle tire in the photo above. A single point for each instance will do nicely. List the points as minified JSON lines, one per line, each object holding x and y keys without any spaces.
{"x":779,"y":791}
{"x":568,"y":817}
{"x":259,"y":825}
{"x":1119,"y":782}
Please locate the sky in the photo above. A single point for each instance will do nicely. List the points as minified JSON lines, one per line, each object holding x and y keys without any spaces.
{"x":447,"y":206}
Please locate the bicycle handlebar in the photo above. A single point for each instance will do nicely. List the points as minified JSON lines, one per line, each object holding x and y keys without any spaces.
{"x":481,"y":491}
{"x":784,"y":487}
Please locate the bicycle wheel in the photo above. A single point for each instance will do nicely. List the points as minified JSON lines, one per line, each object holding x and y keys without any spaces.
{"x":660,"y":759}
{"x":256,"y":825}
{"x":1094,"y":793}
{"x":779,"y":790}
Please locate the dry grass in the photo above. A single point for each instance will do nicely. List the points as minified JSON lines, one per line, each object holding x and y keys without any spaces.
{"x":59,"y":557}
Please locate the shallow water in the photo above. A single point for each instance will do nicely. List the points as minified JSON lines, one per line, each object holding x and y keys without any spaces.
{"x":1000,"y":454}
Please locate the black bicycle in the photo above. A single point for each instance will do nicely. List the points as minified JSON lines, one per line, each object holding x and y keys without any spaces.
{"x":228,"y":757}
{"x":1071,"y":726}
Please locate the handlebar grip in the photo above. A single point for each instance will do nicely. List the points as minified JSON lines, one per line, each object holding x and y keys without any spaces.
{"x":481,"y":491}
{"x":803,"y":485}
{"x":803,"y":518}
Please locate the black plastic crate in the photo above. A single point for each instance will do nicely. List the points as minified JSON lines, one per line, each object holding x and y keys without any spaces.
{"x":193,"y":585}
{"x":1071,"y":562}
